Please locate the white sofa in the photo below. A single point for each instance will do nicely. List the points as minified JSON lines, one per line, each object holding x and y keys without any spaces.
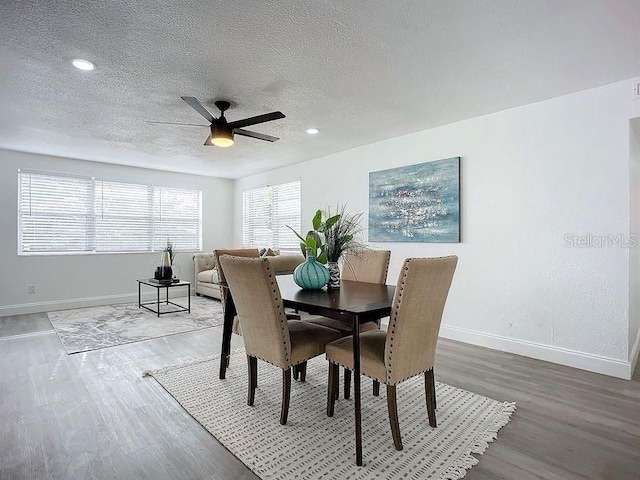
{"x":206,"y":273}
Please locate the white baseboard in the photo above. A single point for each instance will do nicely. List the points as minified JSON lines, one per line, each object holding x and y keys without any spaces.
{"x":633,"y":355}
{"x":584,"y":361}
{"x":53,"y":305}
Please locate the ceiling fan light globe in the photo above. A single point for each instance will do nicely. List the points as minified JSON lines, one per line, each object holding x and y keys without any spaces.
{"x":221,"y":136}
{"x":222,"y":142}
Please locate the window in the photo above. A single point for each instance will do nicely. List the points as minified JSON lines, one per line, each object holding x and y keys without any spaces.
{"x":266,"y":213}
{"x":65,"y":214}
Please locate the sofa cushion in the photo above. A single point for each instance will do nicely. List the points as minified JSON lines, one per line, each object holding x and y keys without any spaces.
{"x":208,"y":276}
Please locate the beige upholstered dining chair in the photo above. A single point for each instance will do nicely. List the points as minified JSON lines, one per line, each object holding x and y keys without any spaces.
{"x":240,"y":252}
{"x":286,"y":263}
{"x":370,"y":266}
{"x":408,"y":347}
{"x":266,"y":332}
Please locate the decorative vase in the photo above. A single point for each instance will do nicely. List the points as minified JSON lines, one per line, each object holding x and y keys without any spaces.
{"x":334,"y":275}
{"x":311,"y":274}
{"x":165,"y":266}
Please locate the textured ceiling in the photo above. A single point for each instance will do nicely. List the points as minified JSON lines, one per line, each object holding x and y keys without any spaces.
{"x":360,"y":71}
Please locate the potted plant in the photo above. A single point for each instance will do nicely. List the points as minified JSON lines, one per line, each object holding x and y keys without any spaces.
{"x":340,"y":233}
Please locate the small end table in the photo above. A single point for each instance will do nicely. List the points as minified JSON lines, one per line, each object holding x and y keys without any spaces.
{"x":159,"y":285}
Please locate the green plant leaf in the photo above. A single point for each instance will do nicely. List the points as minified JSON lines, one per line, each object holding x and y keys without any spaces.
{"x":322,"y":258}
{"x":317,"y":220}
{"x":297,"y":234}
{"x":331,"y":222}
{"x":303,"y":249}
{"x":311,"y":242}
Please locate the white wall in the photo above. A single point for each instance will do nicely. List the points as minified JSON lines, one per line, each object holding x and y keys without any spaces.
{"x":634,"y":257}
{"x":67,"y":281}
{"x":530,"y":176}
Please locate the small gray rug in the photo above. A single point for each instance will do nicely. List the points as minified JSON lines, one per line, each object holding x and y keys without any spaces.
{"x":85,"y":329}
{"x":314,"y":446}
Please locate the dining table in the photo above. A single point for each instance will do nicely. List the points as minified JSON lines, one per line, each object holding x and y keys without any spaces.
{"x":353,"y":303}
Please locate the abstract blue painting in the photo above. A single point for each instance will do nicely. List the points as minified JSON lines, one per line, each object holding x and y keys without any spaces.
{"x":417,"y":203}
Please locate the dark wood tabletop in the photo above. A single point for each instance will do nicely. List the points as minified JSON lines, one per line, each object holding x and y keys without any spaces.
{"x":368,"y":300}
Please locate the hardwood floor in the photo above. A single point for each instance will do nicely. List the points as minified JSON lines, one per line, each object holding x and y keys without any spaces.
{"x":93,"y":415}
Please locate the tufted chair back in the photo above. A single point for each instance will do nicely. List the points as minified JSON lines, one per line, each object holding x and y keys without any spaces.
{"x":256,"y":294}
{"x":418,"y":303}
{"x":369,"y":266}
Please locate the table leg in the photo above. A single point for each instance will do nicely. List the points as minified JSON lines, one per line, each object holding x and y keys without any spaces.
{"x":227,"y":328}
{"x":189,"y":297}
{"x":139,"y":302}
{"x":356,"y":388}
{"x":158,"y":301}
{"x":167,"y":297}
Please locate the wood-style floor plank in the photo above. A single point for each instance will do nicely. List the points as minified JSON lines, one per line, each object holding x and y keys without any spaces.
{"x":93,"y":416}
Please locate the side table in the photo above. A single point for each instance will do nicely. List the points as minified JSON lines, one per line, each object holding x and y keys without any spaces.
{"x":158,"y":286}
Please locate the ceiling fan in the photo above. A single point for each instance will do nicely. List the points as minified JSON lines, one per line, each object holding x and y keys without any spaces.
{"x":222,"y":132}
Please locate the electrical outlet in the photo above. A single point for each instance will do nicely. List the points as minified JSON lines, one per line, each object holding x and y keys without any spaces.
{"x":636,"y":89}
{"x":31,"y":289}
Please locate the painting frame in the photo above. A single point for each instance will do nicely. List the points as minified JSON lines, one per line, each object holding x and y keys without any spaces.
{"x":417,"y":203}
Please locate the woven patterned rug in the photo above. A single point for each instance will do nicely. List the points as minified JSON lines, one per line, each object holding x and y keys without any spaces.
{"x":314,"y":446}
{"x":85,"y":329}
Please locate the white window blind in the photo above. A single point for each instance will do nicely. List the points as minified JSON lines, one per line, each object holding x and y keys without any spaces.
{"x":59,"y":214}
{"x":177,"y":216}
{"x":55,"y":213}
{"x":123,"y":214}
{"x":267,"y":211}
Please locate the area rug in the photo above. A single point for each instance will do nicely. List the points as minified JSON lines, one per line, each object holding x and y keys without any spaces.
{"x":314,"y":446}
{"x":85,"y":329}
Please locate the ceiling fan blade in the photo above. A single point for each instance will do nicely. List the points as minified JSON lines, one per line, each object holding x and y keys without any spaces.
{"x":198,"y":107}
{"x":259,"y":136}
{"x":173,"y":123}
{"x":207,"y":142}
{"x":267,"y":117}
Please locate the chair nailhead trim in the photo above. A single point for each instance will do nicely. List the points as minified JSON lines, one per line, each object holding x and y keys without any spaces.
{"x":394,"y":319}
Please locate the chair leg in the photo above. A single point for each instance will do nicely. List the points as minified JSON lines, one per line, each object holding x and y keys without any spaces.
{"x":331,"y":385}
{"x":392,"y":405}
{"x":376,"y":388}
{"x":296,"y":372}
{"x":302,"y":368}
{"x":252,"y":364}
{"x":286,"y":394}
{"x":347,"y":383}
{"x":430,"y":392}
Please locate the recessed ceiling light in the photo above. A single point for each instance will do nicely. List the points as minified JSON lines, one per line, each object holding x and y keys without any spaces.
{"x":83,"y":64}
{"x":312,"y":131}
